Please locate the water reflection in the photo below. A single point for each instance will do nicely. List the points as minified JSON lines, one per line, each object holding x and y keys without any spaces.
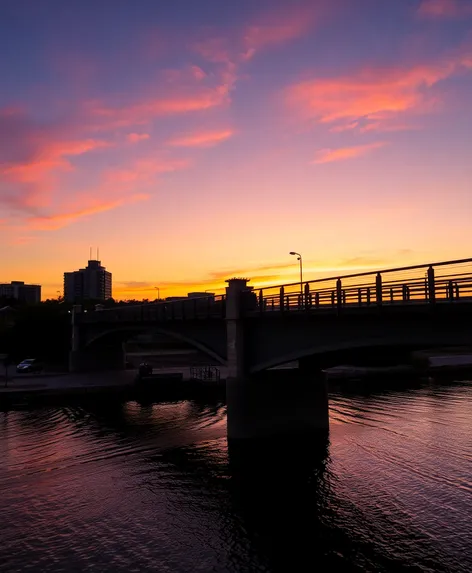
{"x":277,"y":491}
{"x":153,"y":486}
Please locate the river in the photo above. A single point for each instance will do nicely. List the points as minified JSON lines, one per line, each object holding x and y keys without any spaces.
{"x":151,"y":487}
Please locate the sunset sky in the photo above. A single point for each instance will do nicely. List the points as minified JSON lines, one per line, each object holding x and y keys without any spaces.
{"x":194,"y":140}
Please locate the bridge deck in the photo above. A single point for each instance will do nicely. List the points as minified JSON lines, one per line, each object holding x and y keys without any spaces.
{"x":421,"y":286}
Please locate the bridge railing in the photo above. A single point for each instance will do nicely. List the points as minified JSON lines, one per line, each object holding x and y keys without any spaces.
{"x":443,"y":282}
{"x":183,"y":309}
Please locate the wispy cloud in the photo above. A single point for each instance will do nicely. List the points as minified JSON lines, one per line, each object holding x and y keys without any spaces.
{"x":230,"y":51}
{"x":148,"y":109}
{"x":137,"y":137}
{"x":202,"y":139}
{"x":59,"y":220}
{"x":116,"y":188}
{"x":377,"y":95}
{"x":343,"y":153}
{"x":37,"y":166}
{"x":442,"y":9}
{"x":279,"y":27}
{"x":33,"y":157}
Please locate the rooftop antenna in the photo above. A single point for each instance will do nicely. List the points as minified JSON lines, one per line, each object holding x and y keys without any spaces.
{"x":90,"y":257}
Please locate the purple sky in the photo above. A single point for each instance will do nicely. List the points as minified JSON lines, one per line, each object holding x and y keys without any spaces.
{"x":193,"y":140}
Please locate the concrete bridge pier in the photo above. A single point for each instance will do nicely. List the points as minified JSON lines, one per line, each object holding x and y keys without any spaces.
{"x":274,"y":402}
{"x":277,"y":403}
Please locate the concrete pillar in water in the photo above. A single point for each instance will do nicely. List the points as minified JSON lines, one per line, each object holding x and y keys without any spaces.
{"x":235,"y":327}
{"x":238,"y":400}
{"x":313,"y":380}
{"x":272,"y":403}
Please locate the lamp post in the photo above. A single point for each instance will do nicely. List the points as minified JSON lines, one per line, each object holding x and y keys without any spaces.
{"x":299,"y":259}
{"x":158,"y":293}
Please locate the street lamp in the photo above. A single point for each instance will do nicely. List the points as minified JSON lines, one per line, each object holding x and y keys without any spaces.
{"x":158,"y":293}
{"x":299,"y":258}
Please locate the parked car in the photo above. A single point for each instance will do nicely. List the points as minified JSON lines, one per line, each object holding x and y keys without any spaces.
{"x":29,"y":365}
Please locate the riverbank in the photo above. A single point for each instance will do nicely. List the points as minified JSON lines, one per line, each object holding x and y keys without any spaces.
{"x":64,"y":384}
{"x":23,"y":390}
{"x":177,"y":382}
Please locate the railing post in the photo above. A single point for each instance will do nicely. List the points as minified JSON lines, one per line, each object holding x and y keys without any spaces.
{"x":307,"y":296}
{"x":273,"y":304}
{"x":378,"y":289}
{"x":282,"y":299}
{"x":287,"y":298}
{"x":333,"y":298}
{"x":404,"y":293}
{"x":317,"y":299}
{"x":368,"y":296}
{"x":431,"y":286}
{"x":261,"y":301}
{"x":391,"y":295}
{"x":339,"y":294}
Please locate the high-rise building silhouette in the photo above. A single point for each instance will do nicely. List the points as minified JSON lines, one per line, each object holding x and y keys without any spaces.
{"x":20,"y":291}
{"x":91,"y":283}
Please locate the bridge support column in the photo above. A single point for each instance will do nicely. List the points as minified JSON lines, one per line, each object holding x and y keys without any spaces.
{"x":277,"y":404}
{"x":274,"y":403}
{"x":235,"y":328}
{"x":311,"y":374}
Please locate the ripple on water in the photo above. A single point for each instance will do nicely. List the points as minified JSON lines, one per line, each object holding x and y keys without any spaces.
{"x":132,"y":486}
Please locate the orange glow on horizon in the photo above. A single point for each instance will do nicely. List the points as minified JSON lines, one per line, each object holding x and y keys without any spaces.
{"x":193,"y":148}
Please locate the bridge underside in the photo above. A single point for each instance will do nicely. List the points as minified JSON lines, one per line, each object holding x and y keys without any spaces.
{"x":272,"y":341}
{"x":102,"y":346}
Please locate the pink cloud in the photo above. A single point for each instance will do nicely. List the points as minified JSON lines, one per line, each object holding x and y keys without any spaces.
{"x":175,"y":92}
{"x":143,"y":171}
{"x":202,"y":139}
{"x":445,"y":8}
{"x":230,"y":51}
{"x":278,"y":28}
{"x":116,"y":188}
{"x":148,"y":109}
{"x":137,"y":137}
{"x":59,"y":220}
{"x":198,"y":73}
{"x":378,"y":95}
{"x":35,"y":164}
{"x":340,"y":154}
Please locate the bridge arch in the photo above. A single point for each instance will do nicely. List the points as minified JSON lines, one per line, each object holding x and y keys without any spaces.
{"x":327,"y":353}
{"x":126,"y":331}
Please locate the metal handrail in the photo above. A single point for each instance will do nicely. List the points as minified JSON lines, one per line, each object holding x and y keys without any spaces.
{"x":375,"y":272}
{"x":335,"y":292}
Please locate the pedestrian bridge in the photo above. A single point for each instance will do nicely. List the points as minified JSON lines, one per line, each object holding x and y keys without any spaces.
{"x":320,"y":323}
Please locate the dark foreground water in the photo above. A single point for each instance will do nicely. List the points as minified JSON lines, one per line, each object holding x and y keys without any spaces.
{"x":152,"y":487}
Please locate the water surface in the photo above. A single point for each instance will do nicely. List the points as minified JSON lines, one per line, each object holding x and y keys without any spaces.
{"x":152,"y":487}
